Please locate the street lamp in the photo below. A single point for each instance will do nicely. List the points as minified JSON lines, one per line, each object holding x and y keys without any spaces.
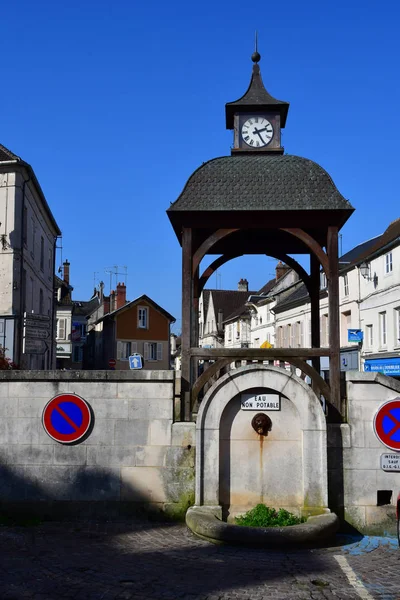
{"x":365,"y":270}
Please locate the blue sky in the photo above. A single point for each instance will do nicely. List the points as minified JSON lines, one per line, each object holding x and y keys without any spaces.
{"x":116,"y":104}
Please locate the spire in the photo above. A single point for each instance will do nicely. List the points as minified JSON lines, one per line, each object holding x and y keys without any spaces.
{"x":256,"y":97}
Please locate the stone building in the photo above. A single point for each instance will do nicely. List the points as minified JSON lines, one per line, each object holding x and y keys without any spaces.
{"x":28,"y":233}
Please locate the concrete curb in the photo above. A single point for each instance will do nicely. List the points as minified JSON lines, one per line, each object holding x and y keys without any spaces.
{"x":209,"y":527}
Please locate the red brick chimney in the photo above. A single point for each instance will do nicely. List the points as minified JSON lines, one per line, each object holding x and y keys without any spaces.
{"x":121,"y":295}
{"x":66,"y":271}
{"x":106,"y":304}
{"x":280,"y":270}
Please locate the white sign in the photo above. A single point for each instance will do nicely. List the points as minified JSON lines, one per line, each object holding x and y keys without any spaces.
{"x":390,"y":462}
{"x":260,"y":402}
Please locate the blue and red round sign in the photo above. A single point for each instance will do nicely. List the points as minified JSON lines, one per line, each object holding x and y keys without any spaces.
{"x":67,"y":418}
{"x":387,"y":424}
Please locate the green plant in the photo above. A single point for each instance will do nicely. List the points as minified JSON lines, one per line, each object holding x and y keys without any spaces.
{"x":263,"y":516}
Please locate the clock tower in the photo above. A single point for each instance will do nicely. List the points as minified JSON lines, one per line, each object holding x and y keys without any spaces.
{"x":257,"y":117}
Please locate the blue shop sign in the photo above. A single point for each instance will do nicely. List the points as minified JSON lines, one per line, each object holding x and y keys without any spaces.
{"x":354,"y":335}
{"x":387,"y":366}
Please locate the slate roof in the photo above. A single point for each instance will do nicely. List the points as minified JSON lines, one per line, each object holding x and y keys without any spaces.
{"x":256,"y":97}
{"x":260,"y":182}
{"x":6,"y":154}
{"x":374,"y":246}
{"x":300,"y":295}
{"x":357,"y":251}
{"x":229,"y":301}
{"x":85,"y":307}
{"x":267,"y":287}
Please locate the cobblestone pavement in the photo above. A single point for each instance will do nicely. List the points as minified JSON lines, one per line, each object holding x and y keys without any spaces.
{"x":153,"y":561}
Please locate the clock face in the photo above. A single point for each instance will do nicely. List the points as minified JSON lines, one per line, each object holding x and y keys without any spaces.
{"x":257,"y":132}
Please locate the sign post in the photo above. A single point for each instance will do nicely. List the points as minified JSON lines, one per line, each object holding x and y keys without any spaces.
{"x":36,"y":332}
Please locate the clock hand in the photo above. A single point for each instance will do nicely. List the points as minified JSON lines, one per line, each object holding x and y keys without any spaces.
{"x":258,"y":132}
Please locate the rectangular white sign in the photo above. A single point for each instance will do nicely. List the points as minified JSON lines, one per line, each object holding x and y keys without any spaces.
{"x":390,"y":462}
{"x":260,"y":402}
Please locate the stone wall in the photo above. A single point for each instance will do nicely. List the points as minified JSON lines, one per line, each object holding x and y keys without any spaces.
{"x":354,"y":453}
{"x":136,"y":456}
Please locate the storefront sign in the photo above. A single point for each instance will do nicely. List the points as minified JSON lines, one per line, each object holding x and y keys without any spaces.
{"x":387,"y":366}
{"x":260,"y":402}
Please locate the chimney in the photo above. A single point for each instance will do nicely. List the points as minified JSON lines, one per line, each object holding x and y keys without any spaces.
{"x":243,"y":285}
{"x":66,"y":271}
{"x":220,"y":317}
{"x":280,"y":270}
{"x":112,"y":300}
{"x":106,"y":304}
{"x":121,"y":295}
{"x":101,"y":291}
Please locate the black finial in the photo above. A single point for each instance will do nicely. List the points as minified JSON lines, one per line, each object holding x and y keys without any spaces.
{"x":256,"y":56}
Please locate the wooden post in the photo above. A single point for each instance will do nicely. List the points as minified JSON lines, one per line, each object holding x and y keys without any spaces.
{"x":334,"y":330}
{"x":194,"y":336}
{"x":187,"y":300}
{"x":314,"y":299}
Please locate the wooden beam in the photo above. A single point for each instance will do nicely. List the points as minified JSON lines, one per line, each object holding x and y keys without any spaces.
{"x":208,"y":244}
{"x":334,"y":330}
{"x":312,"y":244}
{"x":187,"y":303}
{"x":257,"y":353}
{"x":314,"y":301}
{"x":221,"y":260}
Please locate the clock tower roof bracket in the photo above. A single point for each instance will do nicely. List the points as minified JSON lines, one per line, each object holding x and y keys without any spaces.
{"x":255,"y":98}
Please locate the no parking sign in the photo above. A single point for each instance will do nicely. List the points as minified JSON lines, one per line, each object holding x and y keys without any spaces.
{"x":387,"y":424}
{"x":67,"y":418}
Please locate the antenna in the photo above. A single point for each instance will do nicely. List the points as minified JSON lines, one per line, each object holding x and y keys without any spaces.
{"x":94,"y":277}
{"x":114,"y":270}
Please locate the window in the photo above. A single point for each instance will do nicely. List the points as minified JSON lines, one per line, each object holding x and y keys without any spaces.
{"x":369,"y":336}
{"x":322,"y":281}
{"x":25,"y":230}
{"x":346,"y":285}
{"x":268,"y":315}
{"x":388,"y":263}
{"x":152,"y":351}
{"x":346,"y":325}
{"x":42,"y":253}
{"x":382,"y":329}
{"x":200,"y":329}
{"x":237,"y":329}
{"x":125,"y":350}
{"x":229,"y":328}
{"x":397,"y":326}
{"x":292,"y":335}
{"x":324,"y":330}
{"x":61,"y":329}
{"x":280,"y":337}
{"x":143,"y":317}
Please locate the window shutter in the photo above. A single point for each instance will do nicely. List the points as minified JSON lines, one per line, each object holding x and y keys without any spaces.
{"x":134,"y":347}
{"x":119,"y":350}
{"x":159,"y":351}
{"x":146,"y":351}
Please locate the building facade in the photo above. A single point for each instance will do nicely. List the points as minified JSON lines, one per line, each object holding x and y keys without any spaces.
{"x":137,"y":327}
{"x":28,"y":234}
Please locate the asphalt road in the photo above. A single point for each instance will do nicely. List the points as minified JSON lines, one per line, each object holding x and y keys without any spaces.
{"x":158,"y":561}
